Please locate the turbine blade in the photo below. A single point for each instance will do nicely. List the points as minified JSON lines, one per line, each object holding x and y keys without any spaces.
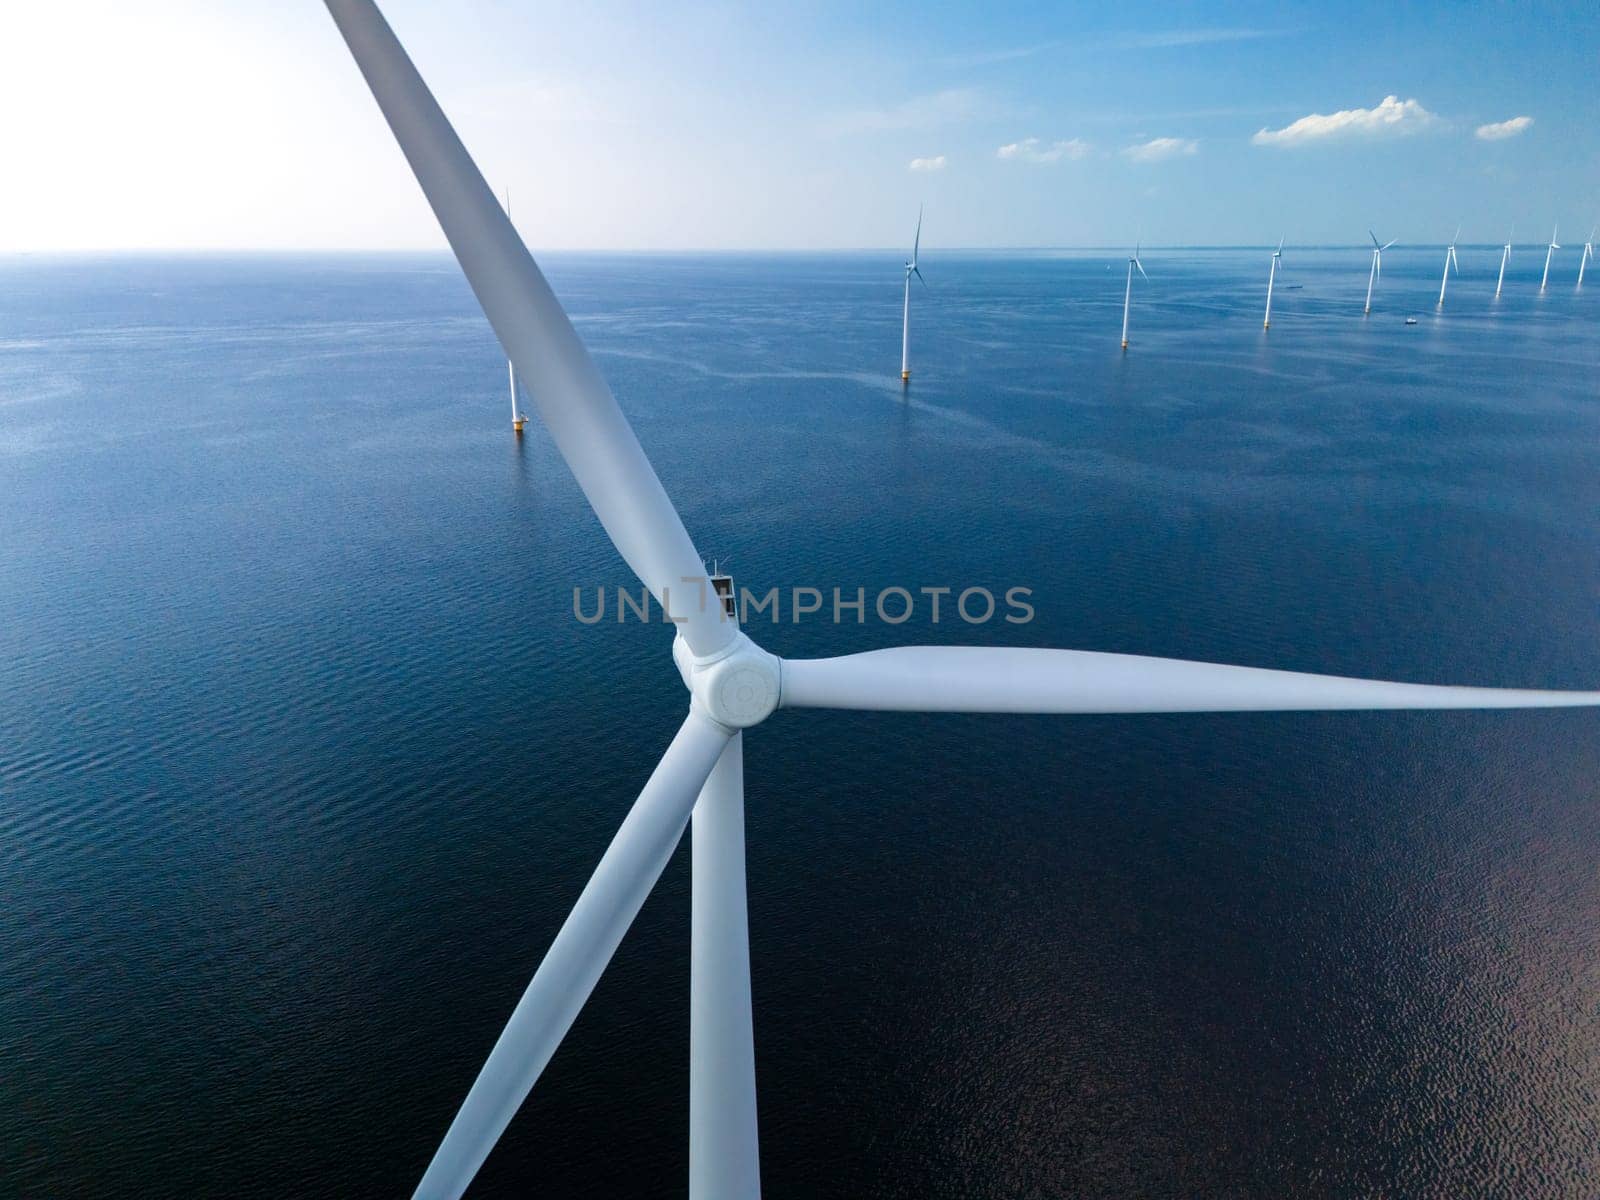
{"x":985,"y":679}
{"x":1140,"y":265}
{"x":1374,"y":237}
{"x":917,"y":271}
{"x":917,"y":241}
{"x":724,"y":1153}
{"x":572,"y":966}
{"x":1390,"y":242}
{"x":574,"y":402}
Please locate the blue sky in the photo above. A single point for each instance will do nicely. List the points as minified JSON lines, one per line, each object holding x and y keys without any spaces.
{"x":231,"y":124}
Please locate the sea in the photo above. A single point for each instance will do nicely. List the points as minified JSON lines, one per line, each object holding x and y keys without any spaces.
{"x":304,"y":754}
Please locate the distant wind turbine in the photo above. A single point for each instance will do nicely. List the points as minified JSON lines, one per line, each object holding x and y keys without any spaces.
{"x":518,"y":421}
{"x":1588,"y":253}
{"x":1376,"y":273}
{"x":1505,"y":257}
{"x":1127,"y":295}
{"x":1548,"y":254}
{"x":1450,"y":264}
{"x":905,"y":316}
{"x":1272,"y":274}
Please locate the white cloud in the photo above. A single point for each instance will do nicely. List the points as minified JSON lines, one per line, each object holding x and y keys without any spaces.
{"x":1159,"y":148}
{"x":1034,"y":151}
{"x":1392,"y":115}
{"x":951,"y":106}
{"x":1498,"y":131}
{"x":936,"y":163}
{"x":1160,"y":39}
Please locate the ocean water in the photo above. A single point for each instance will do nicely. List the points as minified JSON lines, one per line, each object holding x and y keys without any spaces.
{"x":303,"y":756}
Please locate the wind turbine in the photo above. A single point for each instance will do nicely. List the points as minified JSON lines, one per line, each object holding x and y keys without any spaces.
{"x":905,"y":315}
{"x":1272,"y":274}
{"x":733,"y":685}
{"x":1127,"y":295}
{"x":1549,"y":252}
{"x":518,"y":421}
{"x":1376,"y":273}
{"x":1588,"y":253}
{"x":1505,"y":257}
{"x":1450,"y":264}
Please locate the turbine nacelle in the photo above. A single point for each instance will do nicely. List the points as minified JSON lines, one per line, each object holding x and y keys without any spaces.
{"x":738,"y":687}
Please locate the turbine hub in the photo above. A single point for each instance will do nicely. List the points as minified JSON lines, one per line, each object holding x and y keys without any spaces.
{"x":738,"y":688}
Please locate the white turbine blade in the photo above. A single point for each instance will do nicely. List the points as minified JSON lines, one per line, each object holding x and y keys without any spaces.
{"x":574,"y":402}
{"x":916,"y":242}
{"x":724,"y":1153}
{"x":1014,"y":680}
{"x":1374,"y":238}
{"x":572,"y":966}
{"x":1140,"y":265}
{"x":1389,"y":243}
{"x":1456,"y":236}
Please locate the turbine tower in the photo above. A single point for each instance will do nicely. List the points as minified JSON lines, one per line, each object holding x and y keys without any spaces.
{"x":518,"y":421}
{"x":1127,"y":294}
{"x":1549,"y":252}
{"x":1450,"y":264}
{"x":1505,"y":257}
{"x":733,"y":685}
{"x":1376,"y":273}
{"x":905,"y":313}
{"x":1272,"y":274}
{"x":1588,"y":253}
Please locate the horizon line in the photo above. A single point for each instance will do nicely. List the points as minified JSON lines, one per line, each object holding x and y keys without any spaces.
{"x":444,"y":251}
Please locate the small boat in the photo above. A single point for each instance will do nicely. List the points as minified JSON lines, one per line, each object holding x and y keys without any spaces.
{"x":1411,"y":320}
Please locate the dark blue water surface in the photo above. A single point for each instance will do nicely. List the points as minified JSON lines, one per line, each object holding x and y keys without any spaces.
{"x":303,"y":756}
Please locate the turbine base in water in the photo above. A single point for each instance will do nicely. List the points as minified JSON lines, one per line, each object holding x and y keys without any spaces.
{"x":517,"y":425}
{"x":905,"y":376}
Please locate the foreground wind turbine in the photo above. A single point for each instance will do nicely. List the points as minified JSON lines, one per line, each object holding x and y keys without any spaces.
{"x":1505,"y":257}
{"x":1127,"y":294}
{"x":1588,"y":253}
{"x":1449,"y":264}
{"x":1272,"y":274}
{"x":518,"y":421}
{"x":905,"y":314}
{"x":733,"y":684}
{"x":1376,"y":273}
{"x":1549,"y":251}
